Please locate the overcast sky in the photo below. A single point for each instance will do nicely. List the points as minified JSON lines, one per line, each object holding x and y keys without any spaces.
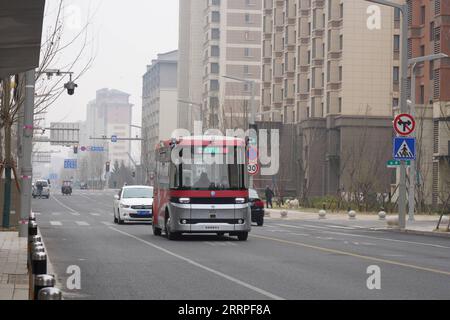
{"x":127,"y":36}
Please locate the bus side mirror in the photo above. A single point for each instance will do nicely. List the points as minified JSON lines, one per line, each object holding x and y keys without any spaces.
{"x":116,"y":197}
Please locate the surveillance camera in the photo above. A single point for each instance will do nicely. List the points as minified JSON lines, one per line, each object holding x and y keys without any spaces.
{"x":70,"y":86}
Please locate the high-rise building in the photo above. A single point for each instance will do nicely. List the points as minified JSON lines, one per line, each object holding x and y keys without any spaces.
{"x":110,"y":114}
{"x":159,"y":105}
{"x":219,"y":38}
{"x":190,"y":67}
{"x":429,"y":33}
{"x":336,"y":76}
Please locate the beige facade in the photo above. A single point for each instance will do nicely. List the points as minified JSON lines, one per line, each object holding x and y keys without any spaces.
{"x":336,"y":75}
{"x":232,"y":47}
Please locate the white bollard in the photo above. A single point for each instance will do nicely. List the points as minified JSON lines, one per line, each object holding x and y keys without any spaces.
{"x":352,"y":214}
{"x":284,"y":214}
{"x":392,"y":221}
{"x":322,"y":214}
{"x":382,"y":215}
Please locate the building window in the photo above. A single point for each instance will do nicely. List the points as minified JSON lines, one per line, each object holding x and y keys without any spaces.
{"x":246,"y":70}
{"x":422,"y":51}
{"x":341,"y":10}
{"x":397,"y":14}
{"x":395,"y":102}
{"x":215,"y":16}
{"x":340,"y":104}
{"x":396,"y":43}
{"x":247,"y":52}
{"x":214,"y":68}
{"x":396,"y":74}
{"x":214,"y":85}
{"x":215,"y":51}
{"x":431,"y":70}
{"x":341,"y":42}
{"x":215,"y":34}
{"x":340,"y":73}
{"x":215,"y":2}
{"x":422,"y":95}
{"x":247,"y":18}
{"x":432,"y":31}
{"x":422,"y":15}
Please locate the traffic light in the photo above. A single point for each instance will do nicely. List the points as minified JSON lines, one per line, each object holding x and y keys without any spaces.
{"x":75,"y":150}
{"x":133,"y":174}
{"x":107,"y":166}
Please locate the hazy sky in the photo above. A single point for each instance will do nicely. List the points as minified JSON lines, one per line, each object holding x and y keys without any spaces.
{"x":127,"y":36}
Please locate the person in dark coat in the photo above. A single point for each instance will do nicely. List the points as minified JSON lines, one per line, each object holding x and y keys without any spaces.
{"x":269,"y":196}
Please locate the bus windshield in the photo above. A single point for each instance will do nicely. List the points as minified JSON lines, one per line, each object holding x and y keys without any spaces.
{"x":205,"y":175}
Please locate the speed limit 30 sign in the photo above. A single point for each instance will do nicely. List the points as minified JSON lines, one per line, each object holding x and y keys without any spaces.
{"x":253,"y":169}
{"x":404,"y":124}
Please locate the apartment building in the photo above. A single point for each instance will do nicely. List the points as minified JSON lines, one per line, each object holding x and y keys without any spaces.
{"x":333,"y":75}
{"x":230,"y":35}
{"x":429,"y":33}
{"x":159,"y":105}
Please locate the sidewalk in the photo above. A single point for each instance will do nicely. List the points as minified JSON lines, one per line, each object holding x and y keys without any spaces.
{"x":14,"y":283}
{"x":423,"y":224}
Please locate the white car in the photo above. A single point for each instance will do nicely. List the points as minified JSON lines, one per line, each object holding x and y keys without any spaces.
{"x":45,"y":193}
{"x":133,"y":203}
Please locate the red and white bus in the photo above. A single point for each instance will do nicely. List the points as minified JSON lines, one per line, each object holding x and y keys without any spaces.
{"x":206,"y":191}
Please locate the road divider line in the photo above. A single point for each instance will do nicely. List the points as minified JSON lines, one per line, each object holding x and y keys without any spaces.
{"x":218,"y":273}
{"x":55,"y":223}
{"x":371,"y":237}
{"x":63,"y":205}
{"x":354,"y":255}
{"x":82,"y":223}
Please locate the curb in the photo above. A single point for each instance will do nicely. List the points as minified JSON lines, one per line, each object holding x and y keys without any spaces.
{"x":418,"y":232}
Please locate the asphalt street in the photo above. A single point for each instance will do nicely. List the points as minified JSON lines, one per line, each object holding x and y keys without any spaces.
{"x":282,"y":260}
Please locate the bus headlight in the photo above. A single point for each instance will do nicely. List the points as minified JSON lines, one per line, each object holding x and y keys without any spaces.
{"x":240,"y":221}
{"x":185,"y":200}
{"x":240,"y":200}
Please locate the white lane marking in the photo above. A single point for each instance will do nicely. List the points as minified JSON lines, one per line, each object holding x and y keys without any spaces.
{"x":218,"y":273}
{"x":299,"y":234}
{"x":94,"y":214}
{"x":82,"y":223}
{"x":55,"y":223}
{"x":63,"y":205}
{"x":107,"y":223}
{"x":76,"y":214}
{"x":375,"y":238}
{"x":341,"y":227}
{"x":56,"y":213}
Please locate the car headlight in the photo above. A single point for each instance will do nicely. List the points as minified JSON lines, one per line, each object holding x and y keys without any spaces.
{"x":124,"y":206}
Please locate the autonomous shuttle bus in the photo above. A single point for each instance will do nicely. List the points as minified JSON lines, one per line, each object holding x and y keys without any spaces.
{"x":201,"y":187}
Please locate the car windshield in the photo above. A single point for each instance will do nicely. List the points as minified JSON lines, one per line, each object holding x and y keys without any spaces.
{"x":133,"y":193}
{"x":42,"y":183}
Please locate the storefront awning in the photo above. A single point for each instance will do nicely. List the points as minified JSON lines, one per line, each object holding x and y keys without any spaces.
{"x":20,"y":35}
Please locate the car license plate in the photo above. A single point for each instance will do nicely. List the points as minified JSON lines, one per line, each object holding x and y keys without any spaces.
{"x":143,"y":213}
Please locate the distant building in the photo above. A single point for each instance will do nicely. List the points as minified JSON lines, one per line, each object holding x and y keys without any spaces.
{"x":110,"y":114}
{"x":159,"y":105}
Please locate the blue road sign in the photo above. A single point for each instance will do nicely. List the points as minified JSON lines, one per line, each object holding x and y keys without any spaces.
{"x":70,"y":164}
{"x":97,"y":149}
{"x":114,"y":139}
{"x":404,"y":148}
{"x":53,"y":176}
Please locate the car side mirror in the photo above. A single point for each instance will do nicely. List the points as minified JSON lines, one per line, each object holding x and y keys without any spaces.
{"x":116,"y":197}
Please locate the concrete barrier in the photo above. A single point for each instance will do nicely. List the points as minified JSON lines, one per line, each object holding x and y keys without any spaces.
{"x":382,"y":215}
{"x":322,"y":214}
{"x":392,"y":221}
{"x":352,"y":214}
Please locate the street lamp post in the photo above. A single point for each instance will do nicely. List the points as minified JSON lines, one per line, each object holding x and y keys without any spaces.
{"x":412,"y":175}
{"x":404,"y":10}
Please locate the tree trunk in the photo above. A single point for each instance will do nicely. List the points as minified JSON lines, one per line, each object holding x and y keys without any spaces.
{"x":8,"y":166}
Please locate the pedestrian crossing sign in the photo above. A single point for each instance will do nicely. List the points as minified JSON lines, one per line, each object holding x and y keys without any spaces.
{"x":404,"y":148}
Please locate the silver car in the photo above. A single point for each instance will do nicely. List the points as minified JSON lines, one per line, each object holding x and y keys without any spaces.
{"x":38,"y":192}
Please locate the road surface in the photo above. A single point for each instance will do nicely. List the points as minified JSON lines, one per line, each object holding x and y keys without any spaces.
{"x":282,"y":260}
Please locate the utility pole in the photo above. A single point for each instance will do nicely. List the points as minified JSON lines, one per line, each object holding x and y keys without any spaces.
{"x":27,"y":148}
{"x":404,"y":11}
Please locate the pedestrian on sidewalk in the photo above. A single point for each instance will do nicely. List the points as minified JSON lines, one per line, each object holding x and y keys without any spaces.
{"x":269,"y":195}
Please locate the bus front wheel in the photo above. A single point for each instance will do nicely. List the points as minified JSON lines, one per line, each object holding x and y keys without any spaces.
{"x":169,"y":234}
{"x":242,"y":236}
